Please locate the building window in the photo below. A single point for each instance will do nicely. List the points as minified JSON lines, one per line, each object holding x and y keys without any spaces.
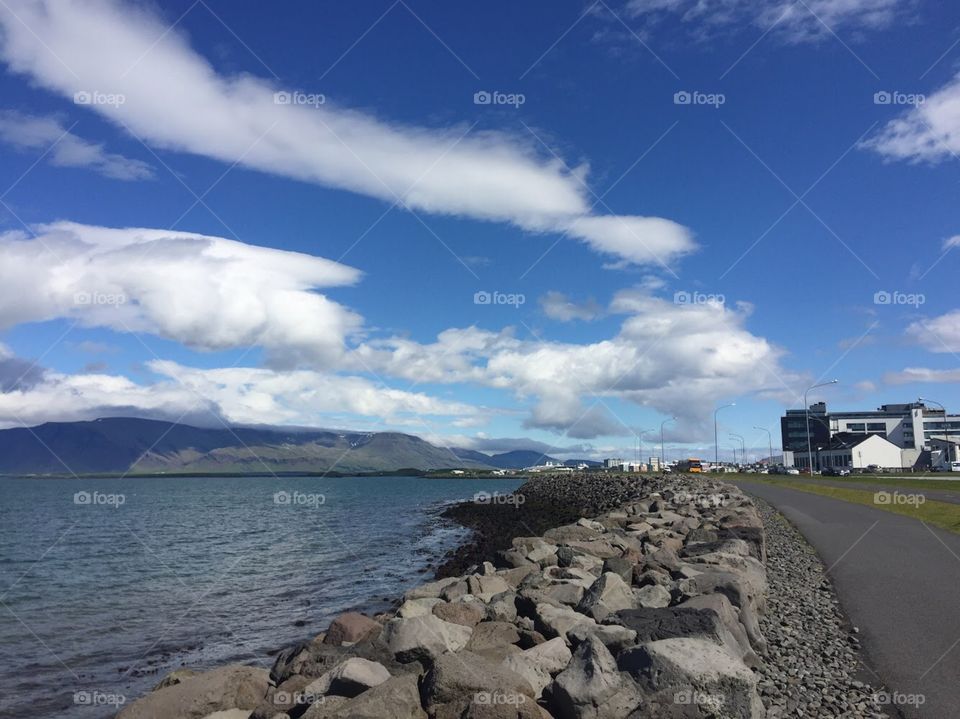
{"x":856,"y":427}
{"x":876,"y":427}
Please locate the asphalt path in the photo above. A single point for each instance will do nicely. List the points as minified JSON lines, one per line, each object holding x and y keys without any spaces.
{"x":899,"y":583}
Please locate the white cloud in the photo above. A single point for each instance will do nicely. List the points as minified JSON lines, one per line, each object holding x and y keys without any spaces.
{"x":951,"y":242}
{"x":922,"y":374}
{"x":557,"y":306}
{"x":678,"y":359}
{"x":793,"y":21}
{"x":206,"y":292}
{"x":238,"y":395}
{"x":174,"y":99}
{"x":937,"y":334}
{"x":928,"y":132}
{"x":64,"y":149}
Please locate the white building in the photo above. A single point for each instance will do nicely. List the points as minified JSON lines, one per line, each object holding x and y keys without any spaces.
{"x":613,"y":463}
{"x":852,"y":451}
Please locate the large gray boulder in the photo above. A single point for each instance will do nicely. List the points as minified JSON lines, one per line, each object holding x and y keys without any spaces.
{"x":558,"y":621}
{"x":349,"y":678}
{"x":735,"y":636}
{"x":398,"y":698}
{"x":592,"y":687}
{"x":538,"y":664}
{"x":687,"y":677}
{"x":455,"y":681}
{"x":424,"y":638}
{"x":608,"y":594}
{"x":229,"y":687}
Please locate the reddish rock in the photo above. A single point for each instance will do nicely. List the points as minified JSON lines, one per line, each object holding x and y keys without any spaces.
{"x":351,"y":628}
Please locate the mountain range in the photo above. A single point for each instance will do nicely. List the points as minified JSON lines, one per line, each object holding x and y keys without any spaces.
{"x":125,"y":444}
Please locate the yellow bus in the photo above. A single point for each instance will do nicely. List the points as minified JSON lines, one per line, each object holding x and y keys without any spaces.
{"x":691,"y":466}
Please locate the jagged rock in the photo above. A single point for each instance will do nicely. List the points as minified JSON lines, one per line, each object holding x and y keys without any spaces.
{"x":349,"y":678}
{"x":229,"y":687}
{"x":735,"y":589}
{"x":591,"y":687}
{"x":494,"y":640}
{"x":454,"y":681}
{"x":653,"y":595}
{"x":350,"y":628}
{"x":558,"y":621}
{"x":468,"y":614}
{"x":572,"y":533}
{"x":614,"y":637}
{"x":484,"y":588}
{"x":175,"y":677}
{"x":695,"y":674}
{"x":417,"y":607}
{"x":502,"y":607}
{"x":609,"y":593}
{"x":619,"y":566}
{"x":430,"y":590}
{"x":398,"y":698}
{"x":424,"y":638}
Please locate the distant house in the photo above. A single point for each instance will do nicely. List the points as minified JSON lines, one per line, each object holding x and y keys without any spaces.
{"x":851,"y":451}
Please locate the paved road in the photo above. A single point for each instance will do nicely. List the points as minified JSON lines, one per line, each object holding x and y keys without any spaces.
{"x":898,"y":581}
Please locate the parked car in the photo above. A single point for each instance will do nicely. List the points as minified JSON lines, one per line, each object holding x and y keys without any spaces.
{"x":835,"y":472}
{"x":792,"y":470}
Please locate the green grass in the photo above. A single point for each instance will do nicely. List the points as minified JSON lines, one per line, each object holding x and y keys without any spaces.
{"x":946,"y":485}
{"x":945,"y":515}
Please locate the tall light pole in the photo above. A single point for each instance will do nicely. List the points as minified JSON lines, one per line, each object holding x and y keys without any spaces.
{"x":743,"y":448}
{"x":806,"y":409}
{"x":716,"y":440}
{"x":662,"y":456}
{"x":640,"y":433}
{"x":946,"y":432}
{"x":769,"y":442}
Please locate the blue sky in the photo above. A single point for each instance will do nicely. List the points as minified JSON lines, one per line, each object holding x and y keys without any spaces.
{"x":669,"y":256}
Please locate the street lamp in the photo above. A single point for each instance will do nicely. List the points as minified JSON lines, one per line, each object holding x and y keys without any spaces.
{"x":716,"y":441}
{"x":662,"y":457}
{"x":769,"y":441}
{"x":946,"y":425}
{"x":806,"y":408}
{"x":743,"y":449}
{"x":640,"y":433}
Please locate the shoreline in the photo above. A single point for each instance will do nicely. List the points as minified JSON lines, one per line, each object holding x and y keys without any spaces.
{"x":666,"y":543}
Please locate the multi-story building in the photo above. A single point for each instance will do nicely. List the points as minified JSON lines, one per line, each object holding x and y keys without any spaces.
{"x":911,"y":427}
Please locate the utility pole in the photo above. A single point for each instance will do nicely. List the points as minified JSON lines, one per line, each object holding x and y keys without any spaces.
{"x":806,"y":409}
{"x":716,"y":440}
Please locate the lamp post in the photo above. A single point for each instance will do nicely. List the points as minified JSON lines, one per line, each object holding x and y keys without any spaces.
{"x":662,"y":456}
{"x":743,"y":448}
{"x":806,"y":409}
{"x":769,"y":442}
{"x":640,"y":433}
{"x":716,"y":441}
{"x":946,"y":431}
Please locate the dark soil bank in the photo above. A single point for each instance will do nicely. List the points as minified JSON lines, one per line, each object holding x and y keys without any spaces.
{"x":536,"y":506}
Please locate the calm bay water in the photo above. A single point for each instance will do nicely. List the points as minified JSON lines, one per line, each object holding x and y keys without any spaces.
{"x":107,"y":584}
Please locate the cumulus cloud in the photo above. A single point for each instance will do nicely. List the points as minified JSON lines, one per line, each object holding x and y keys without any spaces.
{"x":929,"y":132}
{"x":170,"y":96}
{"x":65,"y":149}
{"x":678,"y":359}
{"x":557,"y":306}
{"x":937,"y":334}
{"x":792,"y":21}
{"x":205,"y":292}
{"x":922,"y":374}
{"x":237,"y":395}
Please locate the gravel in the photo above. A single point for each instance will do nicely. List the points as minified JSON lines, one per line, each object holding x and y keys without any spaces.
{"x":815,"y":666}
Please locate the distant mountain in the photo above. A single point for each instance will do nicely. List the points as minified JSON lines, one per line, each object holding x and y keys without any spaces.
{"x":120,"y":444}
{"x":516,"y":459}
